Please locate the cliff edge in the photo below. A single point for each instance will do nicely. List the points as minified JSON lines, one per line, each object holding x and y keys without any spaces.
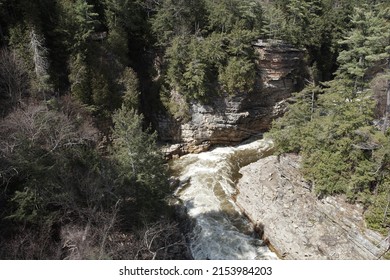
{"x":228,"y":120}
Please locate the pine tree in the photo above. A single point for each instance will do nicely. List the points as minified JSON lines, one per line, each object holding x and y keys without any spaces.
{"x":366,"y":45}
{"x":140,"y":162}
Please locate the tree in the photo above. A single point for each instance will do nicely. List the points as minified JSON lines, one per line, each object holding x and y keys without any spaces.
{"x":366,"y":44}
{"x":275,"y":22}
{"x":387,"y":111}
{"x":125,"y":23}
{"x":140,"y":163}
{"x":224,"y":15}
{"x":238,"y":75}
{"x":53,"y":178}
{"x":130,"y":83}
{"x":41,"y":64}
{"x":13,"y":79}
{"x":215,"y":57}
{"x":76,"y":24}
{"x":290,"y":130}
{"x":40,"y":146}
{"x":176,"y":18}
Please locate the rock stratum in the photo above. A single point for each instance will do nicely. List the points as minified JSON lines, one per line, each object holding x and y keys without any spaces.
{"x":228,"y":120}
{"x":298,"y":225}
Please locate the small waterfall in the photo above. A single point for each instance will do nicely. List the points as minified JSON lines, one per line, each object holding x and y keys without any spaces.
{"x":207,"y":189}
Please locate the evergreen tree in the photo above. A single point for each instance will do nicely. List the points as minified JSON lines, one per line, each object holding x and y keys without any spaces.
{"x":366,"y":44}
{"x":140,"y":163}
{"x":212,"y":53}
{"x":331,"y":125}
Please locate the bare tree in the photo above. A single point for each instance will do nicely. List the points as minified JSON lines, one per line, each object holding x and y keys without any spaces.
{"x":41,"y":64}
{"x":387,"y":111}
{"x":161,"y":240}
{"x":49,"y":129}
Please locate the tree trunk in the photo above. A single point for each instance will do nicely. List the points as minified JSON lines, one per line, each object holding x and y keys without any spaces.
{"x":387,"y":112}
{"x":2,"y":39}
{"x":387,"y":208}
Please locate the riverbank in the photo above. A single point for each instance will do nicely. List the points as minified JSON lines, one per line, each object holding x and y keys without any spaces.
{"x":298,"y":225}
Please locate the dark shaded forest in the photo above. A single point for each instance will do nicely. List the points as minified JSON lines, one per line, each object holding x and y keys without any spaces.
{"x":81,"y":174}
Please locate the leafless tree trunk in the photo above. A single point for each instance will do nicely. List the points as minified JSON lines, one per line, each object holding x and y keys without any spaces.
{"x":387,"y":208}
{"x":41,"y":65}
{"x":387,"y":112}
{"x":107,"y":229}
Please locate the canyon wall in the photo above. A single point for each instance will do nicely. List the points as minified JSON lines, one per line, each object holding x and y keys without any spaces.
{"x":227,"y":120}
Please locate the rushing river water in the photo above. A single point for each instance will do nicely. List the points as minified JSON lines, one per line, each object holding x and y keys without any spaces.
{"x":207,"y":190}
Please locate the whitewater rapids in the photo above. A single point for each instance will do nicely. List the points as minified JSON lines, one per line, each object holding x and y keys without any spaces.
{"x":207,"y":190}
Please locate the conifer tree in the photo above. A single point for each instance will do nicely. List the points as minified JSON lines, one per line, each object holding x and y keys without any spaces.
{"x":140,"y":163}
{"x":366,"y":44}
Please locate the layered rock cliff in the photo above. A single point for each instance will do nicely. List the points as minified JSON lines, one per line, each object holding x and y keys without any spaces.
{"x":231,"y":119}
{"x":298,"y":225}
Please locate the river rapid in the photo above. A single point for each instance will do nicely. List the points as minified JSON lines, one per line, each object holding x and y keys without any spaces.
{"x":207,"y":191}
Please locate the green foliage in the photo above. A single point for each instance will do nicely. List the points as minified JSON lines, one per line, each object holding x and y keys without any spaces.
{"x":367,"y":43}
{"x":176,"y":104}
{"x":129,"y":81}
{"x":98,"y":73}
{"x":50,"y":147}
{"x":140,"y":163}
{"x":289,"y":130}
{"x":376,"y":216}
{"x":188,"y":69}
{"x":238,"y":75}
{"x":177,"y":18}
{"x":55,"y":182}
{"x":331,"y":125}
{"x":30,"y":47}
{"x":79,"y":76}
{"x":223,"y":16}
{"x":331,"y":133}
{"x":83,"y":19}
{"x":275,"y":22}
{"x":211,"y":52}
{"x":13,"y":80}
{"x":317,"y":25}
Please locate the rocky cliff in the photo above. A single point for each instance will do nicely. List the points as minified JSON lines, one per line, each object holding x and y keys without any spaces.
{"x":231,"y":119}
{"x":273,"y":194}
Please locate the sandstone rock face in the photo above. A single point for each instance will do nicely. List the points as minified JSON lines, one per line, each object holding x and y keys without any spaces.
{"x":231,"y":119}
{"x":298,"y":225}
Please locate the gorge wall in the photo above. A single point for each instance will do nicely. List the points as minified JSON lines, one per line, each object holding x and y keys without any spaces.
{"x":231,"y":119}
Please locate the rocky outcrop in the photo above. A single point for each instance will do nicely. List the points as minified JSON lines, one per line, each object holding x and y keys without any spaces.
{"x":231,"y":119}
{"x":298,"y":225}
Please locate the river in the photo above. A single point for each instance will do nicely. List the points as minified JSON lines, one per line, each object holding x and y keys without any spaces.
{"x":207,"y":191}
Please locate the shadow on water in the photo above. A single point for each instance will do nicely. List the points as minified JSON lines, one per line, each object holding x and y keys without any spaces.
{"x":206,"y":191}
{"x":214,"y":235}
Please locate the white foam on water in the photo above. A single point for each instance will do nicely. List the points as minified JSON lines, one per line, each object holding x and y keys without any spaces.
{"x":208,"y":200}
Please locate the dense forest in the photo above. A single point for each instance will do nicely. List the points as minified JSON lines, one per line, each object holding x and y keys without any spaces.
{"x":81,"y":174}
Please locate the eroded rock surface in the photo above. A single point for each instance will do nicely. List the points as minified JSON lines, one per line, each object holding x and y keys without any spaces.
{"x":297,"y":223}
{"x":231,"y":119}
